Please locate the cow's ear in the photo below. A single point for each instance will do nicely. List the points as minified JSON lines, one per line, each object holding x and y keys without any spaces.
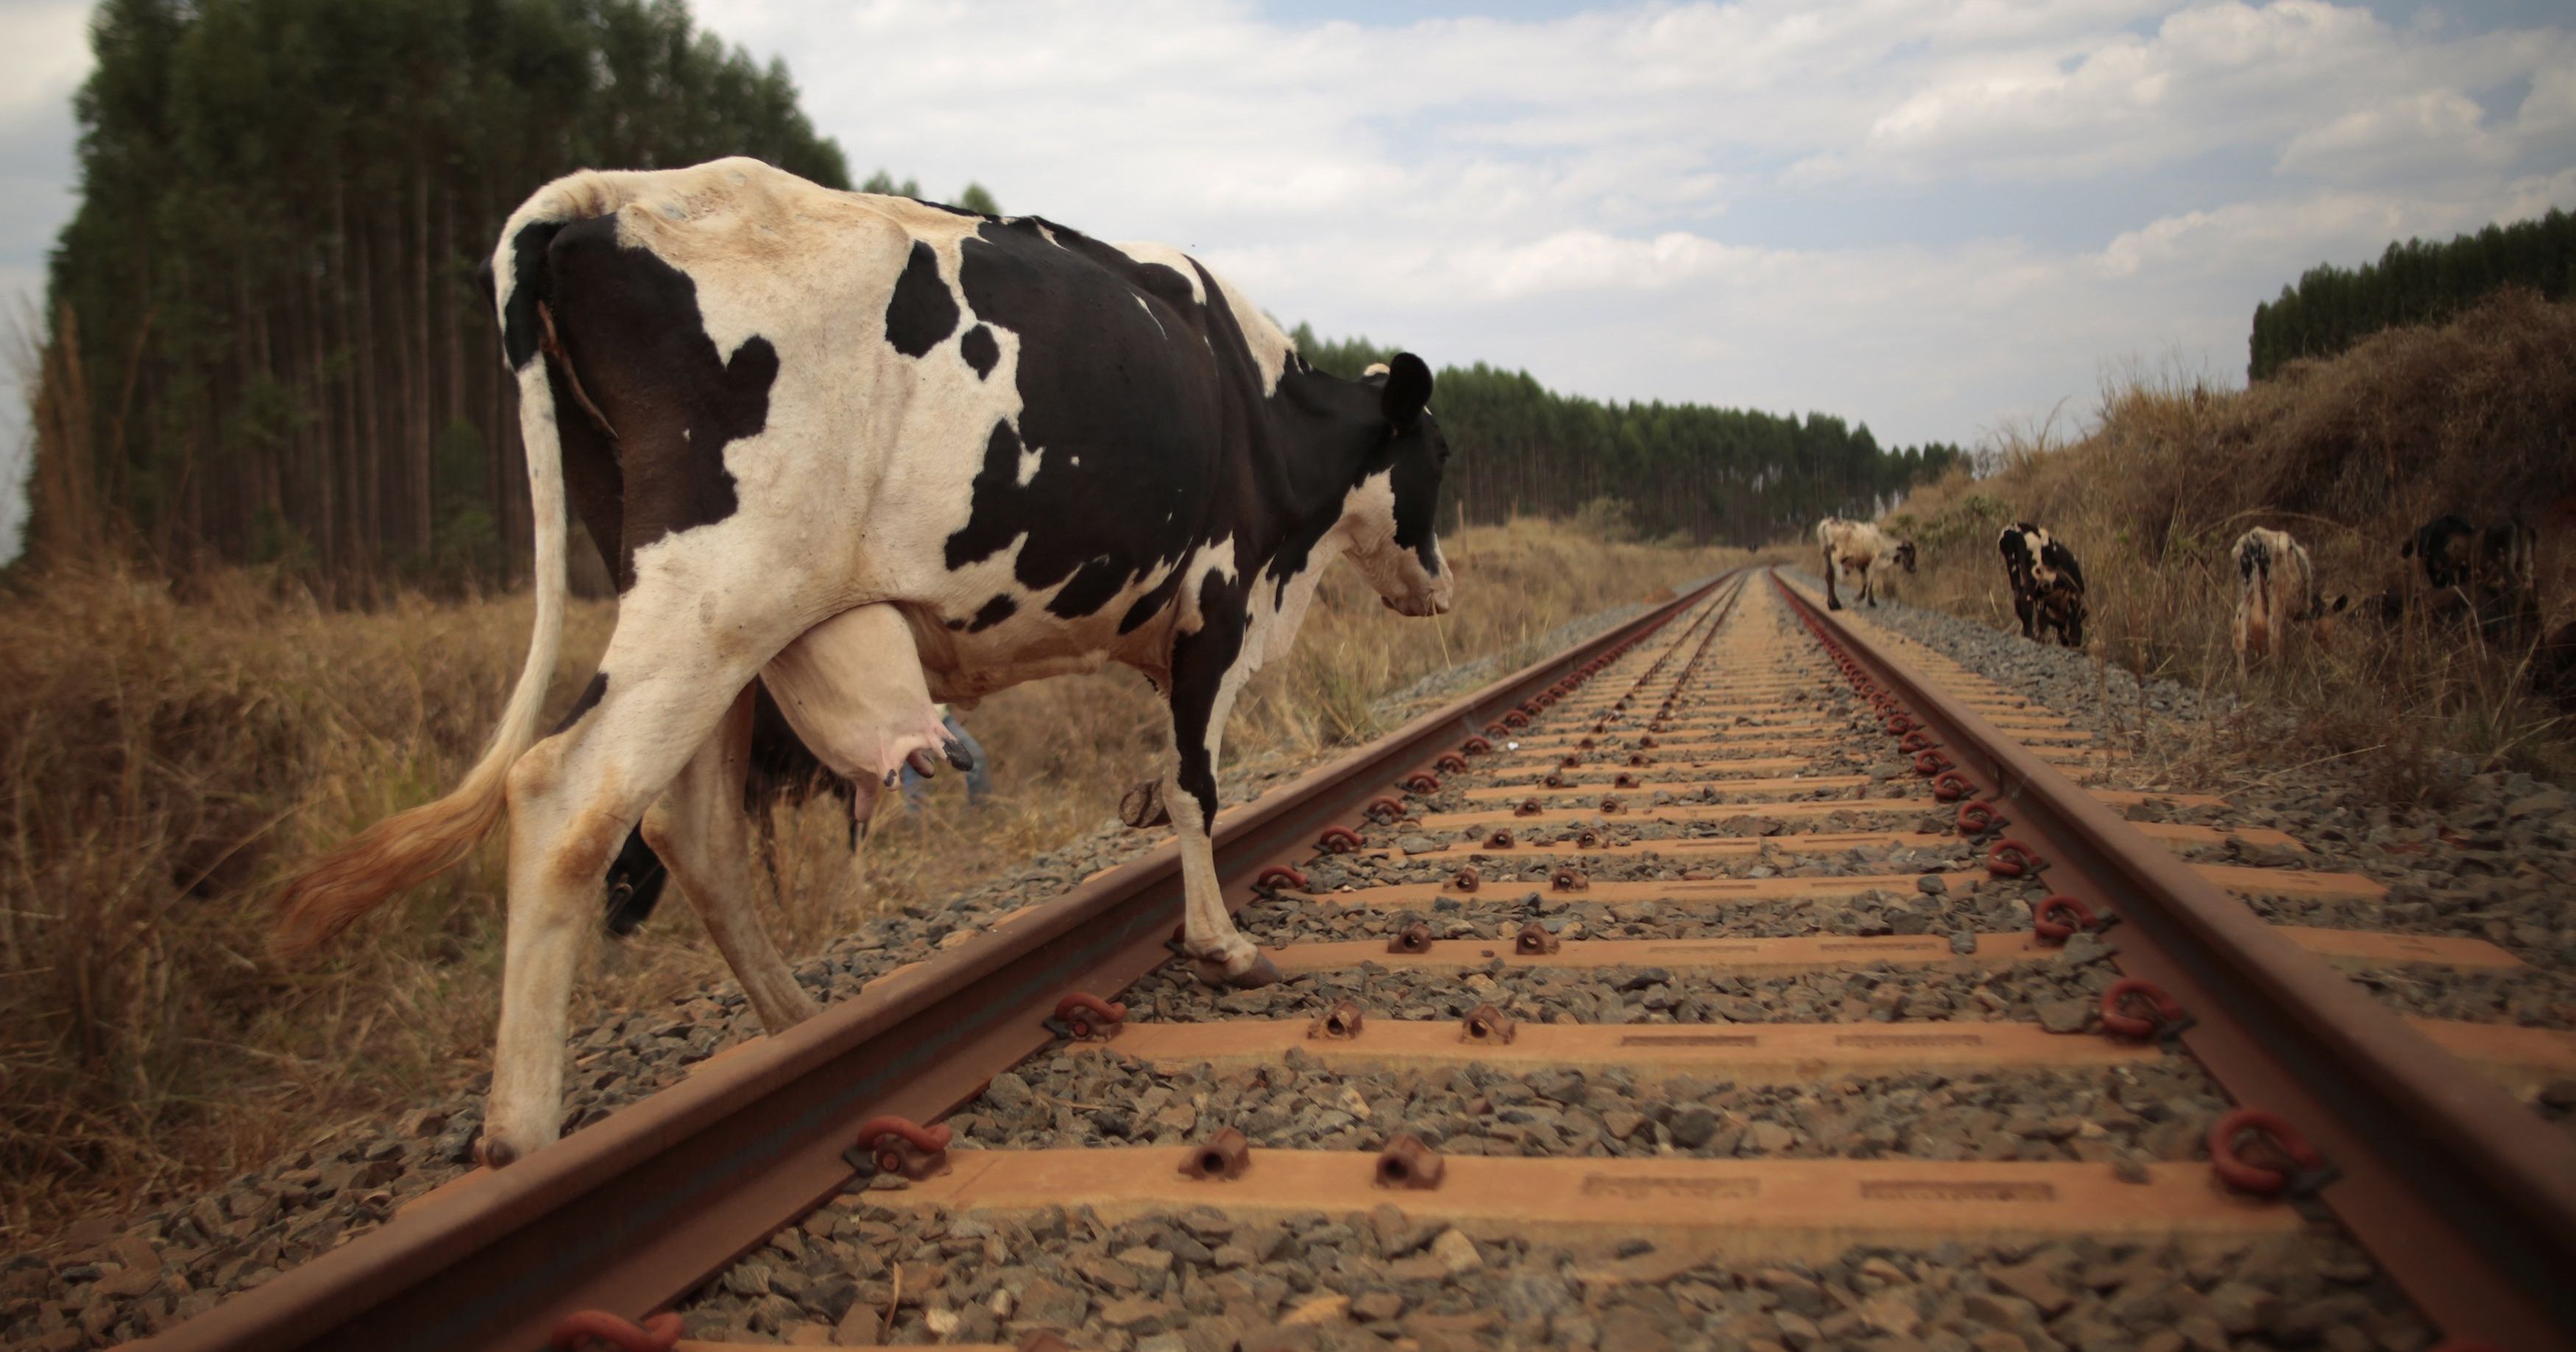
{"x":1408,"y":390}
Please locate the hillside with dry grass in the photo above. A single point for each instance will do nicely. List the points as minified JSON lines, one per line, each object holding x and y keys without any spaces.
{"x":2476,"y":416}
{"x":162,"y":762}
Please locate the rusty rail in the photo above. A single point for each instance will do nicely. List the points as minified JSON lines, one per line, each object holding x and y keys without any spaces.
{"x":632,"y":1212}
{"x":2466,"y":1198}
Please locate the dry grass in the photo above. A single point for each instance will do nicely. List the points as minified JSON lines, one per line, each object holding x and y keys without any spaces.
{"x":2350,"y":455}
{"x":162,"y":762}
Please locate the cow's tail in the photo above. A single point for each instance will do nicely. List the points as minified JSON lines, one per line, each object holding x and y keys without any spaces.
{"x":413,"y":846}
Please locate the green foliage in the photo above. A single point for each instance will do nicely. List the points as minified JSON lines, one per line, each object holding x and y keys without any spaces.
{"x":1731,"y":475}
{"x":883,"y":182}
{"x":2412,"y":283}
{"x":271,"y":276}
{"x":978,"y":198}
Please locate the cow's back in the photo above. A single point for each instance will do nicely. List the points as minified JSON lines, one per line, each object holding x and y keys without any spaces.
{"x":1017,"y":433}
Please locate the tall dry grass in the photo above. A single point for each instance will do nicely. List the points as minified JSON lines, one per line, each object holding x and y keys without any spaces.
{"x":2477,"y":416}
{"x":163,"y":761}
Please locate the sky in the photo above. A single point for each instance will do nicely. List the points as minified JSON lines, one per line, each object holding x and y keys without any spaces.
{"x":1945,"y":220}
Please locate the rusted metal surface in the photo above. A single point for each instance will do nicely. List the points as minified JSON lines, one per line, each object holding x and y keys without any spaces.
{"x":2467,"y":1198}
{"x":1745,"y":1209}
{"x":1819,"y":952}
{"x":627,"y":1214}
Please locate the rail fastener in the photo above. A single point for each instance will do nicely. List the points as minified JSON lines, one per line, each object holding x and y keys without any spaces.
{"x":2165,"y":1020}
{"x":1408,"y":1163}
{"x":901,"y":1146}
{"x":1085,"y":1017}
{"x":1488,"y":1024}
{"x":1341,"y":1023}
{"x":1222,"y":1156}
{"x":2295,"y":1167}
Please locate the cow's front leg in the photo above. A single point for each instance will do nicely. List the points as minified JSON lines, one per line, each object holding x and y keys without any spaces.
{"x":1208,"y":668}
{"x":1832,"y":602}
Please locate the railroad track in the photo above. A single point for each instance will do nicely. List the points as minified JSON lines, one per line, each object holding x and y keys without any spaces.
{"x":1744,"y":975}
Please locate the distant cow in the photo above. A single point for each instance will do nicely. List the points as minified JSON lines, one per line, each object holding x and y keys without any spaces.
{"x":2482,"y":575}
{"x":2047,"y":583}
{"x":1859,"y":549}
{"x":871,"y":453}
{"x":2277,"y":587}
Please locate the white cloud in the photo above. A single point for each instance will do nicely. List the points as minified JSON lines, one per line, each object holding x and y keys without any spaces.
{"x":45,"y":55}
{"x":1925,"y":215}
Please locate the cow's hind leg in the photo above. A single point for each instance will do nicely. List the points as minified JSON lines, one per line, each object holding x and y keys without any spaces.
{"x":1208,"y":669}
{"x":1832,"y":602}
{"x":700,"y":829}
{"x":573,"y":798}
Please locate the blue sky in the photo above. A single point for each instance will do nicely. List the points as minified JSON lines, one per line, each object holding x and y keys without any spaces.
{"x":1941,"y":218}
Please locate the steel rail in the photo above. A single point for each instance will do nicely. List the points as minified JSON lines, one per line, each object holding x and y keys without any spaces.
{"x":2464,"y":1196}
{"x":636,"y":1210}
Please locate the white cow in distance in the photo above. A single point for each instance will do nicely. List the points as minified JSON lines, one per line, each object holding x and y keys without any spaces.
{"x":1859,"y":549}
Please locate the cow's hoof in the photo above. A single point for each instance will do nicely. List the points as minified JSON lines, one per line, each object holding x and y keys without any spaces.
{"x":1833,"y":605}
{"x":494,"y":1153}
{"x":1262,"y":972}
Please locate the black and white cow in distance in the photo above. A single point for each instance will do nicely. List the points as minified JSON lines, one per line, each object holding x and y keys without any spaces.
{"x":873,"y":453}
{"x":2047,"y":583}
{"x":1860,"y":549}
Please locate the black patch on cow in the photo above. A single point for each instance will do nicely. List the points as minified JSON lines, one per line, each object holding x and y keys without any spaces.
{"x":951,"y":210}
{"x":635,"y":879}
{"x":530,"y":283}
{"x":995,"y":611}
{"x":584,"y":702}
{"x":922,"y":313}
{"x":1122,"y":404}
{"x":1151,"y":603}
{"x":631,"y":327}
{"x":980,"y":351}
{"x":1199,"y":663}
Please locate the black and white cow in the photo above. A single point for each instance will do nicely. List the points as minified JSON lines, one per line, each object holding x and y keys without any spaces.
{"x":2047,"y":583}
{"x":2485,"y":577}
{"x":872,"y":453}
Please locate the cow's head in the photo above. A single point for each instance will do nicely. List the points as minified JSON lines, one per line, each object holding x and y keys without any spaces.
{"x":2444,"y":545}
{"x":1390,"y":514}
{"x":1905,"y":554}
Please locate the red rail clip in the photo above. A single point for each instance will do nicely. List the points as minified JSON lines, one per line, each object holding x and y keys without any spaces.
{"x":1087,"y":1017}
{"x":1338,"y":840}
{"x":2055,"y":931}
{"x":1423,"y":782}
{"x":898,"y":1145}
{"x":1280,"y":875}
{"x":1977,"y":817}
{"x":2010,"y":859}
{"x":2165,"y":1016}
{"x":2295,"y":1167}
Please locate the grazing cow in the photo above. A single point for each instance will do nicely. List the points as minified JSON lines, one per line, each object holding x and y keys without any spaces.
{"x":871,"y":453}
{"x":2277,"y":587}
{"x":2047,"y":583}
{"x":1857,"y":548}
{"x":2485,"y":576}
